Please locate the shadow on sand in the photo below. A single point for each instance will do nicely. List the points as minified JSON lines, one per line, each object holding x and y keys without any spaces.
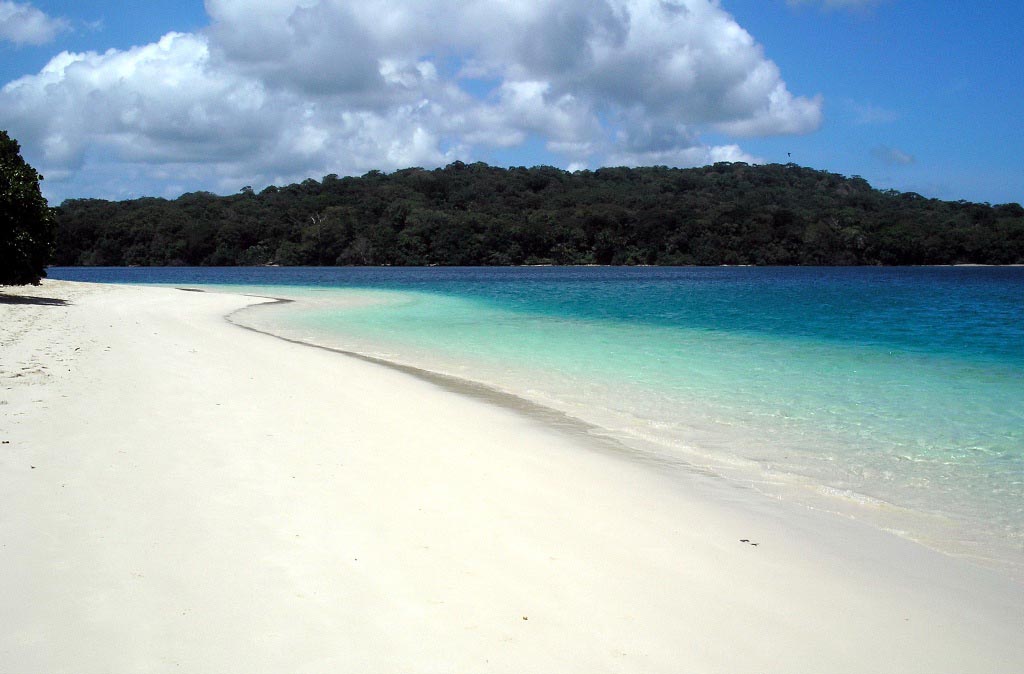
{"x":28,"y":299}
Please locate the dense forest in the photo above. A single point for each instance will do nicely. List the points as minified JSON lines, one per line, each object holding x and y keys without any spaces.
{"x":475,"y":214}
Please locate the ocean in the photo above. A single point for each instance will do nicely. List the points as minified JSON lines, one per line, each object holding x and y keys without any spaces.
{"x":891,"y":395}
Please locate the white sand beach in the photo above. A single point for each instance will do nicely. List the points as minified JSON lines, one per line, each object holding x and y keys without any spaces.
{"x":179,"y":494}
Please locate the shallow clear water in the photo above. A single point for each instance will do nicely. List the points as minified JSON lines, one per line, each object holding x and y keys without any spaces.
{"x":896,"y":395}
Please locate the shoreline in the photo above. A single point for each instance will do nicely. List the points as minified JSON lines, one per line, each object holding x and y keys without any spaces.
{"x":190,"y":494}
{"x":549,"y":416}
{"x":942,"y":532}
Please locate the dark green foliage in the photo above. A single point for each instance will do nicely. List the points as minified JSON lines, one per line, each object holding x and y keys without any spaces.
{"x":26,"y":222}
{"x":481,"y":215}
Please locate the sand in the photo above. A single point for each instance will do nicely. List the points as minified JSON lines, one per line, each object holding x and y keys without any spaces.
{"x":178,"y":494}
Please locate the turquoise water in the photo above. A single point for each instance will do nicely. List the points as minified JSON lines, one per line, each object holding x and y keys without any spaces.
{"x":892,"y":395}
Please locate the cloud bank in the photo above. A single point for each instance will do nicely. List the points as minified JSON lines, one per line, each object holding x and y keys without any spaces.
{"x":301,"y":88}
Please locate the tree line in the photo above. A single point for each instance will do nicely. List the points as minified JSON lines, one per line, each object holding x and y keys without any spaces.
{"x":475,"y":214}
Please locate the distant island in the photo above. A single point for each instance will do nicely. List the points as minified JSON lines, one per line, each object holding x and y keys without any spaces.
{"x":475,"y":214}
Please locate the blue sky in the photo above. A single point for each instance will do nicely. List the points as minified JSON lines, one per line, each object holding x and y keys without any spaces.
{"x":117,"y":100}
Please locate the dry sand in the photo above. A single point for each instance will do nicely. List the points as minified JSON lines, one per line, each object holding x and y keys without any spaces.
{"x":178,"y":494}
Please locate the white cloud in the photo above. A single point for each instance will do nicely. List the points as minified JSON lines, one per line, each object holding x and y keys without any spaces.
{"x":21,"y":23}
{"x":696,"y":155}
{"x":157,"y":103}
{"x":307,"y":87}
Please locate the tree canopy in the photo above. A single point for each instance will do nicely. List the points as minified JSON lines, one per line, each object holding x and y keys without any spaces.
{"x":475,"y":214}
{"x":26,"y":221}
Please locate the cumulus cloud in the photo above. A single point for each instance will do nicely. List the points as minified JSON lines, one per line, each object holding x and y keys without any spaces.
{"x":156,"y":103}
{"x":307,"y":87}
{"x":21,"y":23}
{"x":168,"y":104}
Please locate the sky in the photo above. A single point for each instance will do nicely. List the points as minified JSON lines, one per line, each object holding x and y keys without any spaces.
{"x":120,"y":100}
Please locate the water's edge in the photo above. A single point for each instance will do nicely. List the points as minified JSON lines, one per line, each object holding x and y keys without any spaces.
{"x":550,"y":417}
{"x":799,"y":493}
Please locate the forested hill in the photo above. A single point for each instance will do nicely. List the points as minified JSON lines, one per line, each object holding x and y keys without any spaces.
{"x":481,"y":215}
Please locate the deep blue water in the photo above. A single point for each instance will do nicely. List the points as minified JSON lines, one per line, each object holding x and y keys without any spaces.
{"x":972,"y":311}
{"x":897,"y":390}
